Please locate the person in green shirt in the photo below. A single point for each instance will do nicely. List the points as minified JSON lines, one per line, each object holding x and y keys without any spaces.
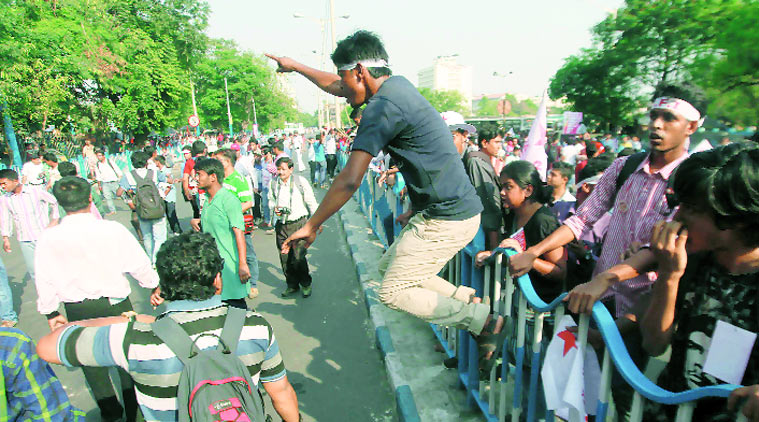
{"x":222,"y":219}
{"x":239,"y":185}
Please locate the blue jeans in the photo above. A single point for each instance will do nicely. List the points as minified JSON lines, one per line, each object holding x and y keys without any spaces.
{"x":109,"y":192}
{"x":251,"y":259}
{"x":153,"y":235}
{"x":265,"y":205}
{"x":27,"y":250}
{"x":6,"y":297}
{"x":321,"y":172}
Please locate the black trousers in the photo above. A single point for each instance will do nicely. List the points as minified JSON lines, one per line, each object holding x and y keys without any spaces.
{"x":171,"y":215}
{"x":98,"y":378}
{"x":294,"y":263}
{"x":312,"y":171}
{"x":331,"y":164}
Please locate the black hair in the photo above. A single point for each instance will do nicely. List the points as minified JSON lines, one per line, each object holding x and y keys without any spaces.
{"x":278,"y":145}
{"x":285,"y":160}
{"x":34,"y":154}
{"x":361,"y":45}
{"x":228,"y":154}
{"x":198,"y":147}
{"x":486,"y":134}
{"x":8,"y":174}
{"x":67,"y":168}
{"x":595,"y":165}
{"x":139,"y":159}
{"x":187,"y":266}
{"x":99,"y":151}
{"x":724,"y":182}
{"x":72,"y":193}
{"x":565,"y":169}
{"x":211,"y":166}
{"x":524,"y":173}
{"x":49,"y":156}
{"x":684,"y":91}
{"x":161,"y":159}
{"x":590,"y":148}
{"x":149,"y":150}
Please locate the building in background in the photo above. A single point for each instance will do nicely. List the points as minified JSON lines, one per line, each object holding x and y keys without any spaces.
{"x":446,"y":74}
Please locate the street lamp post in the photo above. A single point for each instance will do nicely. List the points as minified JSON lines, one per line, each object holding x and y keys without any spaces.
{"x":322,"y":23}
{"x":229,"y":112}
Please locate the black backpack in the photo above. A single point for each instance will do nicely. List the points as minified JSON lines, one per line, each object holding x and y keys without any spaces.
{"x":147,"y":201}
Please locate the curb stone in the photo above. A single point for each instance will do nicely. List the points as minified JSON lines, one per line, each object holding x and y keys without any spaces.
{"x":404,"y":397}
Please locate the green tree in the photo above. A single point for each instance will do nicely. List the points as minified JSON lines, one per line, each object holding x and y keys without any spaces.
{"x":487,"y":107}
{"x":248,"y":78}
{"x":645,"y":44}
{"x":445,"y":100}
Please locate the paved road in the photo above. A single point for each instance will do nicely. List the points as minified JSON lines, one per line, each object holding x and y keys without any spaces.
{"x":326,"y":340}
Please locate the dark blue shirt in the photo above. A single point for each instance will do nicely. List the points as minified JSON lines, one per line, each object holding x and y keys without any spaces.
{"x":400,"y":121}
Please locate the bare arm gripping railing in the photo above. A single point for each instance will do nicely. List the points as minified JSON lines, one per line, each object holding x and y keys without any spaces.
{"x":618,"y":352}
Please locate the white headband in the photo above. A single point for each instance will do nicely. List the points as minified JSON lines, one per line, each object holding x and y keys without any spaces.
{"x":682,"y":107}
{"x":590,"y":180}
{"x":364,"y":63}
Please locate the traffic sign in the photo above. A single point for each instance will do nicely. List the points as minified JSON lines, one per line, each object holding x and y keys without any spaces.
{"x":193,"y":120}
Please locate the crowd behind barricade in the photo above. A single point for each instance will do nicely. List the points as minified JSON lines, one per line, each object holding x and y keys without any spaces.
{"x":664,"y":239}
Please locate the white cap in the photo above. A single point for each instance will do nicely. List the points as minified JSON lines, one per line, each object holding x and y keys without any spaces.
{"x":455,"y":121}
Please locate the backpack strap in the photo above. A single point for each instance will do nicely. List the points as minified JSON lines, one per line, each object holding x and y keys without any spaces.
{"x":628,"y":169}
{"x":175,"y":337}
{"x":296,"y":182}
{"x":233,"y":324}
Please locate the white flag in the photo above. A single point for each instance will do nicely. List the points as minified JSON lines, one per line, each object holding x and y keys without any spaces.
{"x":568,"y":380}
{"x":534,"y":147}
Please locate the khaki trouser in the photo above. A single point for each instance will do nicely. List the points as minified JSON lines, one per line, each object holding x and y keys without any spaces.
{"x":409,"y":272}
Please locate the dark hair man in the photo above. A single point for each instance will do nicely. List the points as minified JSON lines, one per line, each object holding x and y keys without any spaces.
{"x":81,"y":264}
{"x":444,"y":205}
{"x":33,"y":171}
{"x":189,"y":178}
{"x":107,"y":175}
{"x":30,"y":210}
{"x":222,"y":218}
{"x":292,"y":200}
{"x":237,"y":184}
{"x":484,"y":178}
{"x":563,"y":200}
{"x":675,"y":115}
{"x":154,"y":232}
{"x":189,"y":267}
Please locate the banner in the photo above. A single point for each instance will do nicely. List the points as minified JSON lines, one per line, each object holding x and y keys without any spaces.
{"x":534,"y":147}
{"x":569,"y":381}
{"x":572,"y":122}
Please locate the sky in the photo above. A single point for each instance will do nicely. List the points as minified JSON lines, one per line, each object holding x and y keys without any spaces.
{"x":530,"y":39}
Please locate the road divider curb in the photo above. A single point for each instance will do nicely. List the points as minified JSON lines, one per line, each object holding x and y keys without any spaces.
{"x":404,"y":397}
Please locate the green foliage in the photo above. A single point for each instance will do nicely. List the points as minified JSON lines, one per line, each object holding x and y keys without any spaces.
{"x":445,"y":100}
{"x":127,"y":64}
{"x":711,"y":42}
{"x":486,"y":107}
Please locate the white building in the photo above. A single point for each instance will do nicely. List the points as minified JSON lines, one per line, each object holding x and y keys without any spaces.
{"x":446,"y":74}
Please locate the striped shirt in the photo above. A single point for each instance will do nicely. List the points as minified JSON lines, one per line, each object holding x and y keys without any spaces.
{"x":639,"y":205}
{"x":154,"y":368}
{"x":236,"y":184}
{"x":30,"y":211}
{"x":30,"y":391}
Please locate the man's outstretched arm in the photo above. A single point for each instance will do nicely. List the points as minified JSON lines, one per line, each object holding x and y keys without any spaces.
{"x":328,"y":82}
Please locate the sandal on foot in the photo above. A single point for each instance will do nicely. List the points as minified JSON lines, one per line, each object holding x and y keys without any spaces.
{"x":490,"y":343}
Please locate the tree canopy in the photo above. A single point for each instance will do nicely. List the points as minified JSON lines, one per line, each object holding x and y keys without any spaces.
{"x":127,"y":65}
{"x":709,"y":42}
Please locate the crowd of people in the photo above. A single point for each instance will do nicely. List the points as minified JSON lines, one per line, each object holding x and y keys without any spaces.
{"x":662,"y":237}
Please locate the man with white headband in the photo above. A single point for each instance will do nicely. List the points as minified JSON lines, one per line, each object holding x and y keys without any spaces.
{"x":445,"y":211}
{"x":637,"y":203}
{"x":633,"y":188}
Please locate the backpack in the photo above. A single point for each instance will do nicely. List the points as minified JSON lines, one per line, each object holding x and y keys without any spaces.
{"x":147,"y":200}
{"x":628,"y":169}
{"x":214,"y":385}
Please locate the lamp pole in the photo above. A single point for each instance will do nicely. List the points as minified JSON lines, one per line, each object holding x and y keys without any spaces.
{"x":229,"y":112}
{"x":194,"y":108}
{"x":503,"y":75}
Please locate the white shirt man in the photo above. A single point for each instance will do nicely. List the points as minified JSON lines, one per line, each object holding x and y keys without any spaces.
{"x":32,"y":173}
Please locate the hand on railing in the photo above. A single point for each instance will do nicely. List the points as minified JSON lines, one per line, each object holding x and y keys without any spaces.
{"x":750,"y":409}
{"x":583,"y":296}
